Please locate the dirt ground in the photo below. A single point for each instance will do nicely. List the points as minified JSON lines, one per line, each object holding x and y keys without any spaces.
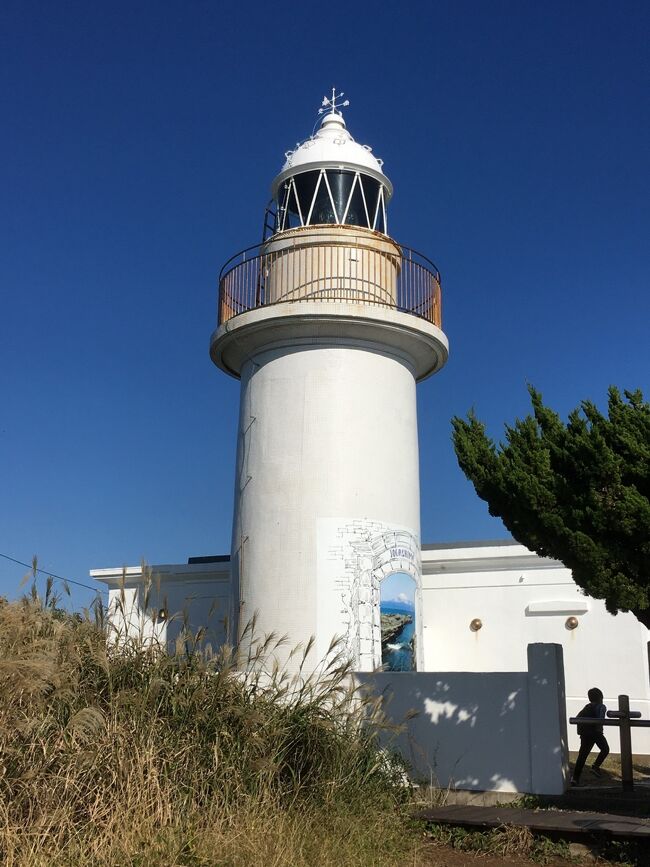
{"x":612,"y":768}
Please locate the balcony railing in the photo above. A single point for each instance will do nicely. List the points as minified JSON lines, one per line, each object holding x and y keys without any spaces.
{"x":322,"y":267}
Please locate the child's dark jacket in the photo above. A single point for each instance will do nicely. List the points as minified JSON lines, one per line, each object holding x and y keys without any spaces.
{"x":592,"y":710}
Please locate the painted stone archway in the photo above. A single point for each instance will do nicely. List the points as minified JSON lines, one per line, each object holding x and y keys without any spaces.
{"x":354,"y":558}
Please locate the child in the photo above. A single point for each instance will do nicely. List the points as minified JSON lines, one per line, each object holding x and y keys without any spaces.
{"x":591,"y":735}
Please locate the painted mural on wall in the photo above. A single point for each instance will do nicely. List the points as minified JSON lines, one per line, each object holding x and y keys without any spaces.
{"x":397,"y":615}
{"x":355,"y":558}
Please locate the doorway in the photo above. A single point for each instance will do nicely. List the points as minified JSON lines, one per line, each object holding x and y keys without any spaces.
{"x":398,"y":627}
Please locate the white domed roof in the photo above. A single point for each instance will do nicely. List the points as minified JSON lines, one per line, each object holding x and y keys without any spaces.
{"x":332,"y":146}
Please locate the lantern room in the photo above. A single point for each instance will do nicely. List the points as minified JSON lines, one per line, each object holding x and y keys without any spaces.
{"x":327,"y":258}
{"x":331,"y":179}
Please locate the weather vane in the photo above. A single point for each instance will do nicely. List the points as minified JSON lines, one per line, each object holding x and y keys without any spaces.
{"x":331,"y":102}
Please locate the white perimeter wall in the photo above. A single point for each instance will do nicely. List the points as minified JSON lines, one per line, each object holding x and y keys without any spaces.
{"x":521,"y":598}
{"x":502,"y":731}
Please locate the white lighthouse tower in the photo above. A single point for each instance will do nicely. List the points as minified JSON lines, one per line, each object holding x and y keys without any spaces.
{"x":329,"y":324}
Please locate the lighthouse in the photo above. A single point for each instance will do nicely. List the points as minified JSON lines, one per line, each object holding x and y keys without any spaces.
{"x":329,"y":323}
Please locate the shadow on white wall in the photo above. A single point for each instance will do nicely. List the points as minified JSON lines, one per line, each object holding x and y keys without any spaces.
{"x":502,"y":731}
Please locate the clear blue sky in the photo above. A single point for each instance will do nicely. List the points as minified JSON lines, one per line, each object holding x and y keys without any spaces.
{"x":139,"y":143}
{"x":398,"y":587}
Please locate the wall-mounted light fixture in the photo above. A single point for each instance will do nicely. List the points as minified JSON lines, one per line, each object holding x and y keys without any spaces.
{"x":161,"y":616}
{"x":476,"y":624}
{"x":571,"y":623}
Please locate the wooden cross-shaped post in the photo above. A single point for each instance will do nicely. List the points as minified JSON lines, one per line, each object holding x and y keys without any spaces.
{"x":625,"y":719}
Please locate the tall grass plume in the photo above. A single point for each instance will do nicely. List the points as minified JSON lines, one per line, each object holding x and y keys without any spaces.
{"x":116,"y":750}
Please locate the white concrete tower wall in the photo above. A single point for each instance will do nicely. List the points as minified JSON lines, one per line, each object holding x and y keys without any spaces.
{"x":328,"y":435}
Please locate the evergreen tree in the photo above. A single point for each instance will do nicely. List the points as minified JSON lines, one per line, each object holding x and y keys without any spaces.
{"x":578,"y":492}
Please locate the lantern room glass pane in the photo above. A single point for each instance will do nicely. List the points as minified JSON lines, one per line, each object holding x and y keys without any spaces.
{"x":322,"y":211}
{"x":371,"y":189}
{"x":293,"y":212}
{"x":306,"y":187}
{"x":356,"y":215}
{"x":340,"y":185}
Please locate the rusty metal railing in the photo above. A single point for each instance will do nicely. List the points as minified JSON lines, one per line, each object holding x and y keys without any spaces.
{"x":313,"y":266}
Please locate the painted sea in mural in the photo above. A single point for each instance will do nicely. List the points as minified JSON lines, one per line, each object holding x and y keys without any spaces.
{"x":398,"y":622}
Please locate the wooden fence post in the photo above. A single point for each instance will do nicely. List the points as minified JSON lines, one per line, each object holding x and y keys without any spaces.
{"x":625,"y":732}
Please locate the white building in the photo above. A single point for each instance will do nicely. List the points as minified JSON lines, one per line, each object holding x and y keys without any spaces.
{"x":518,"y":598}
{"x":329,"y":324}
